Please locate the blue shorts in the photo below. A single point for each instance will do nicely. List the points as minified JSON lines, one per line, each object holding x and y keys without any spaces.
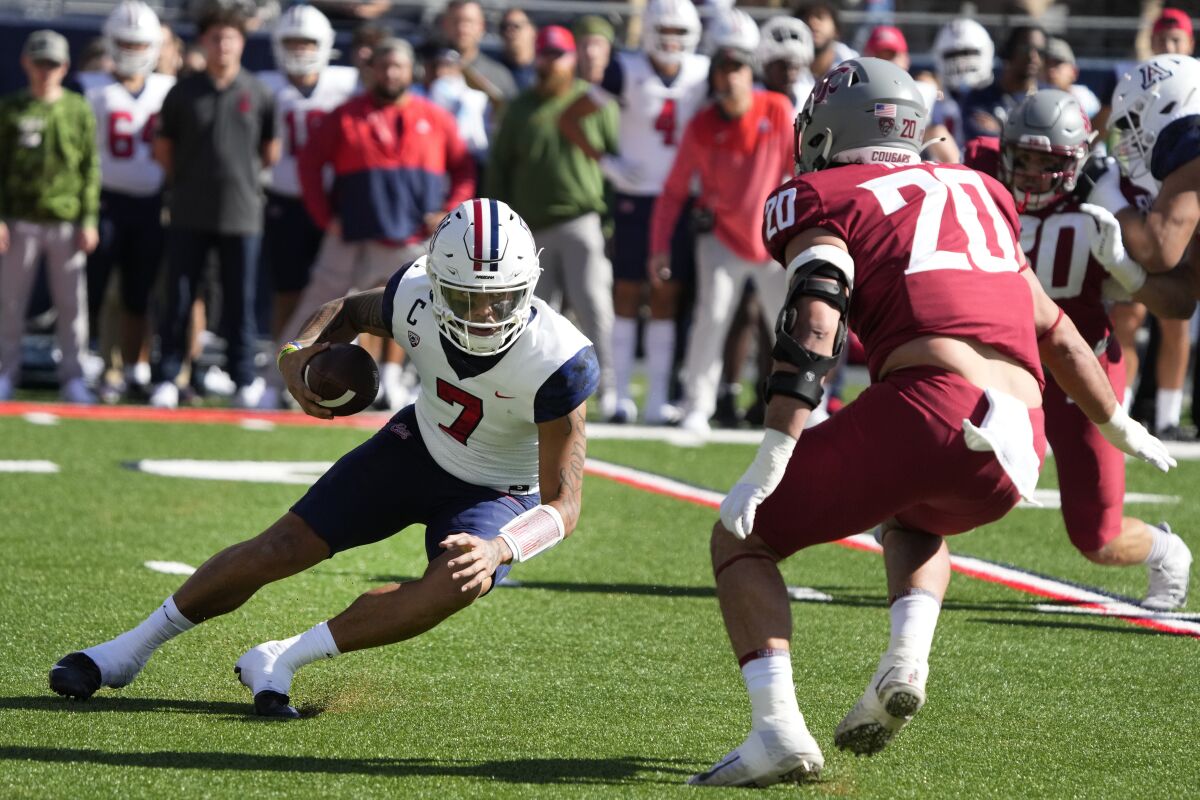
{"x":291,"y":241}
{"x":390,"y":482}
{"x":631,"y":240}
{"x":131,"y":240}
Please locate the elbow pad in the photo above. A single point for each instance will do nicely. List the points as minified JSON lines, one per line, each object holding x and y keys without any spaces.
{"x":809,"y":274}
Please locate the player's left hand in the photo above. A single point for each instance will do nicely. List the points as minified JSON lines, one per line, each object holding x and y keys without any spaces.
{"x":477,"y":560}
{"x":1130,"y":437}
{"x":1106,"y":187}
{"x":1109,"y":249}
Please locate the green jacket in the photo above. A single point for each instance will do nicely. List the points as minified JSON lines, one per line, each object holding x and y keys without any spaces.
{"x":49,"y":167}
{"x":533,"y":168}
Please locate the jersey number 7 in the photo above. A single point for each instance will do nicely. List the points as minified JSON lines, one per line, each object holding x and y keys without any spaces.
{"x":469,"y":418}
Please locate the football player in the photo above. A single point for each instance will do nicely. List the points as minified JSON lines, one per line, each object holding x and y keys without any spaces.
{"x":658,"y":89}
{"x":1039,"y":157}
{"x":490,"y":459}
{"x":924,"y":261}
{"x":126,"y":102}
{"x":1156,"y":112}
{"x":306,"y":88}
{"x":785,"y":53}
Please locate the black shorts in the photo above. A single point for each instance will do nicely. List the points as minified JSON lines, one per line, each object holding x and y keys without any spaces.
{"x":631,"y":240}
{"x":291,"y":241}
{"x":132,"y":241}
{"x":390,"y":482}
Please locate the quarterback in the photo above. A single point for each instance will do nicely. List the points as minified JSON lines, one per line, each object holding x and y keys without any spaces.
{"x":924,"y":262}
{"x":490,"y":459}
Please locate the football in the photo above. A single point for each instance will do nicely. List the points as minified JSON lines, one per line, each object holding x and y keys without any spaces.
{"x":345,"y":376}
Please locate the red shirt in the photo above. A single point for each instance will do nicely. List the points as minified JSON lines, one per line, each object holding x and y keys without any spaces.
{"x":1057,"y":242}
{"x":392,"y":165}
{"x":739,"y":161}
{"x":935,"y":250}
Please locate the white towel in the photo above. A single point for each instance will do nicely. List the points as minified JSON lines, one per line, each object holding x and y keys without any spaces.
{"x":1007,"y":432}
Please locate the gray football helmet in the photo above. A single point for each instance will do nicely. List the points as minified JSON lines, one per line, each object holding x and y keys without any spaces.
{"x":864,"y":111}
{"x":1050,"y":122}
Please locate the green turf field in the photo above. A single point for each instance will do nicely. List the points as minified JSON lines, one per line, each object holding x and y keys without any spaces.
{"x":606,"y":674}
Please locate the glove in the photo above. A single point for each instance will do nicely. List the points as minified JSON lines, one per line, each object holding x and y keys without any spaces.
{"x":1109,"y":249}
{"x":756,"y":484}
{"x":620,"y":171}
{"x":1130,"y":437}
{"x":1106,"y":186}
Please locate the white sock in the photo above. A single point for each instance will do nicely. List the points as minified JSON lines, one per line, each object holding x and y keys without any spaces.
{"x":390,"y":372}
{"x":122,"y":658}
{"x":1168,"y":405}
{"x":624,"y":348}
{"x":1160,"y":543}
{"x":312,"y":645}
{"x":914,"y":618}
{"x":1127,"y":401}
{"x":660,"y":353}
{"x":772,"y":693}
{"x":137,"y":374}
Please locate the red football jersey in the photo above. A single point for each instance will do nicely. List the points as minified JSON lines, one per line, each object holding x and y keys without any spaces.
{"x":1057,"y":242}
{"x":935,"y":250}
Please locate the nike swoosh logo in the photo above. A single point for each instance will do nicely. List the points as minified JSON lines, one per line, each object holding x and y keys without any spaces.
{"x":505,"y":397}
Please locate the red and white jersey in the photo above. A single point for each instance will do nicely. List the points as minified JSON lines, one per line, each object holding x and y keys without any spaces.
{"x":653,"y":115}
{"x":1057,"y":241}
{"x":481,"y":426}
{"x":297,"y":114}
{"x":125,"y":126}
{"x":935,"y":249}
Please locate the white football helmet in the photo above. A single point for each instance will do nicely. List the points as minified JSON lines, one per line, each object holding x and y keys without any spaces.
{"x":1156,"y":93}
{"x":133,"y":23}
{"x":736,"y":30}
{"x":963,"y":52}
{"x":483,"y":265}
{"x":307,"y":23}
{"x":670,"y":29}
{"x":785,"y":38}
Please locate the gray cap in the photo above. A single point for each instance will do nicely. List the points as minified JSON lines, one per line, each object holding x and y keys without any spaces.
{"x":47,"y":45}
{"x":1058,"y":50}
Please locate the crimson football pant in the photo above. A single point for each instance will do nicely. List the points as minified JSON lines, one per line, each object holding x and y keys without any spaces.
{"x":1091,"y":472}
{"x":896,"y":451}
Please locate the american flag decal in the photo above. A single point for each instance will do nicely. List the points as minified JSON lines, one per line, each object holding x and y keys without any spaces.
{"x":487,"y":235}
{"x":885,"y":109}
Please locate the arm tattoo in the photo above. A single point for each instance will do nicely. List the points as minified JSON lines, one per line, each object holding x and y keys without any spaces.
{"x":342,"y":319}
{"x":570,"y":475}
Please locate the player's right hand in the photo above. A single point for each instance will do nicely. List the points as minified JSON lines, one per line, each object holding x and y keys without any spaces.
{"x":739,"y":507}
{"x":658,"y":268}
{"x":291,"y":367}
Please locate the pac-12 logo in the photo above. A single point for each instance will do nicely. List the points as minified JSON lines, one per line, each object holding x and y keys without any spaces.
{"x":1153,"y":73}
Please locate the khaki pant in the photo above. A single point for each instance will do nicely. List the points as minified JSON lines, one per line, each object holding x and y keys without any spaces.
{"x":29,"y":241}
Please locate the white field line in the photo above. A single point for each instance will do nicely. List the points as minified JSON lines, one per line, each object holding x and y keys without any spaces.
{"x":170,"y":567}
{"x":46,"y":467}
{"x":1012,"y":577}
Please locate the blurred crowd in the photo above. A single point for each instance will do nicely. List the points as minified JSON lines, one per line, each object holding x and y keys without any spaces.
{"x":181,"y":217}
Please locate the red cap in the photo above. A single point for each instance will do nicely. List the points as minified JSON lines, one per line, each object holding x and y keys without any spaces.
{"x":555,"y":38}
{"x":885,"y":37}
{"x":1172,"y":18}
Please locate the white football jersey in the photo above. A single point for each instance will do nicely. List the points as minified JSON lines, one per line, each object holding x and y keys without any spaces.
{"x":654,"y":115}
{"x":125,"y":131}
{"x":296,"y":114}
{"x":482,"y":428}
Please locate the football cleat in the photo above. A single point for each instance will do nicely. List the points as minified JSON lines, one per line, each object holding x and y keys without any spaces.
{"x":766,"y":758}
{"x":885,"y":707}
{"x":1169,"y":580}
{"x":274,"y":704}
{"x":260,"y":671}
{"x":75,"y":675}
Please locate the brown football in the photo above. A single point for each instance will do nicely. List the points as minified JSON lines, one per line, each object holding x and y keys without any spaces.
{"x":346,"y":378}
